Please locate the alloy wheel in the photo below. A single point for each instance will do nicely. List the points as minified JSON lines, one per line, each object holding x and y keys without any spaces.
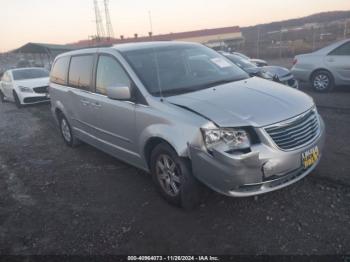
{"x":168,"y":175}
{"x":321,"y":82}
{"x":65,"y":130}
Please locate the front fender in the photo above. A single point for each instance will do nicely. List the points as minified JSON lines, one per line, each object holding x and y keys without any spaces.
{"x":178,"y":137}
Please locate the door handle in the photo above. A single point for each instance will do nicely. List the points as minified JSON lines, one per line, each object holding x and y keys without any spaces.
{"x":85,"y":102}
{"x":97,"y":105}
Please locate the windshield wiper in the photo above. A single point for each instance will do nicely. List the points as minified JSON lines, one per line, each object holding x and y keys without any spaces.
{"x":197,"y":87}
{"x":221,"y":82}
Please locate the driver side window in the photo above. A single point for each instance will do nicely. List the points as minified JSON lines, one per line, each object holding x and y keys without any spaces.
{"x":109,"y":74}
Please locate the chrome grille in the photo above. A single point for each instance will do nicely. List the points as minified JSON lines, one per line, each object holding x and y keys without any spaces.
{"x":41,"y":89}
{"x":295,"y":133}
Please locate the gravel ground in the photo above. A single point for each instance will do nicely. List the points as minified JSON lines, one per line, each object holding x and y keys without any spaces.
{"x":58,"y":200}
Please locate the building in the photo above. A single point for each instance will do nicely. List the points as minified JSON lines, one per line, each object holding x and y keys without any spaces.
{"x":228,"y":37}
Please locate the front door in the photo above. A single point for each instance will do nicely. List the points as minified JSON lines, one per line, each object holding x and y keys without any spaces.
{"x":339,"y":61}
{"x":115,"y":119}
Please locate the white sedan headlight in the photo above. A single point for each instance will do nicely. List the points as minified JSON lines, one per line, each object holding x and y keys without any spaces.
{"x":226,"y":138}
{"x":24,"y":89}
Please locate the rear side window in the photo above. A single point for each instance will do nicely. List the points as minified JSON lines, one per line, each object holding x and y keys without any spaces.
{"x":80,"y":72}
{"x":59,"y":71}
{"x":109,"y":74}
{"x":343,"y":50}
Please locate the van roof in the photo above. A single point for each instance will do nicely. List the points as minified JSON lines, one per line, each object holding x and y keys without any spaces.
{"x":130,"y":47}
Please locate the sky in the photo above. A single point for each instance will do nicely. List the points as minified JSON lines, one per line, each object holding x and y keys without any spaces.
{"x":67,"y":21}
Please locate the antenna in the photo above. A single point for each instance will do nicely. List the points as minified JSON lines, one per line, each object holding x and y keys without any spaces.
{"x":109,"y":27}
{"x":99,"y":25}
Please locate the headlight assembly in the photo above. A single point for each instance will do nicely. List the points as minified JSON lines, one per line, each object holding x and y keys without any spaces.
{"x":225,"y":138}
{"x":266,"y":75}
{"x":24,"y":89}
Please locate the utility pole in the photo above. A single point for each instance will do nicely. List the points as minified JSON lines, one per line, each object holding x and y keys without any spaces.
{"x":281,"y":38}
{"x":99,"y":26}
{"x":345,"y":29}
{"x":109,"y":27}
{"x":313,"y":38}
{"x":258,"y":44}
{"x":150,"y":22}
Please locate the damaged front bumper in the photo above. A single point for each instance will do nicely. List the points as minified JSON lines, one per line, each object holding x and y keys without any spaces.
{"x":264,"y":169}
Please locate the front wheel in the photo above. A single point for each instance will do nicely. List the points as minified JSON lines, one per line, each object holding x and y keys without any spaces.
{"x":2,"y":97}
{"x":322,"y":81}
{"x":17,"y":101}
{"x":173,"y":177}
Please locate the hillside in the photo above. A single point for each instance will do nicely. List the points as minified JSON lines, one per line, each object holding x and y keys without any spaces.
{"x":315,"y":18}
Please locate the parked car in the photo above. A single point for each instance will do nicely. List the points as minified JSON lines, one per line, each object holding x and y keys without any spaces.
{"x":187,"y":115}
{"x":25,"y":86}
{"x":325,"y":68}
{"x":273,"y":73}
{"x":257,"y":62}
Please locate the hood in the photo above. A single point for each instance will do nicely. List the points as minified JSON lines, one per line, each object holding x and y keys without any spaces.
{"x":31,"y":83}
{"x":258,"y":61}
{"x":252,"y":102}
{"x":259,"y":72}
{"x":277,"y":70}
{"x":253,"y":70}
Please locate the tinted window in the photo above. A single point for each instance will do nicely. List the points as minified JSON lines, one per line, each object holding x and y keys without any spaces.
{"x":240,"y":61}
{"x":59,"y":71}
{"x":181,"y":68}
{"x":22,"y":74}
{"x":80,"y":71}
{"x":109,"y":74}
{"x":342,"y":50}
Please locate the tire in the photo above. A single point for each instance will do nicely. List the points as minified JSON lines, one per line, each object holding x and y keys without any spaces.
{"x":322,"y":81}
{"x":17,"y":101}
{"x":2,"y":97}
{"x":66,"y":132}
{"x":176,"y":174}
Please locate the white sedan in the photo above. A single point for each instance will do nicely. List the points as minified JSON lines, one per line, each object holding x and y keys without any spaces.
{"x":25,"y":86}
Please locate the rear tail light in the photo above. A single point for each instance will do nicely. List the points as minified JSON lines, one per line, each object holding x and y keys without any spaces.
{"x":295,"y":61}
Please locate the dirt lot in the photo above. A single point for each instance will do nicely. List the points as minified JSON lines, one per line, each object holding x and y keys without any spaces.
{"x":57,"y":200}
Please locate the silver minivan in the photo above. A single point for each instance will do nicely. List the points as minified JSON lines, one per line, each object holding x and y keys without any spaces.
{"x":188,"y":116}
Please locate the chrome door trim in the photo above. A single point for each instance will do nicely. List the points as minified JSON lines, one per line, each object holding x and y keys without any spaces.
{"x":107,"y":143}
{"x":104,"y":131}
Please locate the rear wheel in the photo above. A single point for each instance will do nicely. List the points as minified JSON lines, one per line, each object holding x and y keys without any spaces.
{"x":173,"y":177}
{"x":322,"y":81}
{"x":17,"y":101}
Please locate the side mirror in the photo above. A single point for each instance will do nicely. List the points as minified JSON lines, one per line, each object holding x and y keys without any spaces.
{"x":121,"y":92}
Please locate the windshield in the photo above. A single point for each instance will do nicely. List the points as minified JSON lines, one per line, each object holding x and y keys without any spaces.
{"x":22,"y":74}
{"x":241,"y":55}
{"x":181,"y":68}
{"x":240,"y":61}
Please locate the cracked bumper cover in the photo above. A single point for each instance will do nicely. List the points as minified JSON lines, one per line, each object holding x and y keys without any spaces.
{"x":243,"y":175}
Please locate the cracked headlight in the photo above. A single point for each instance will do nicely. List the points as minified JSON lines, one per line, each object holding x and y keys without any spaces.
{"x":226,"y":139}
{"x":24,"y":89}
